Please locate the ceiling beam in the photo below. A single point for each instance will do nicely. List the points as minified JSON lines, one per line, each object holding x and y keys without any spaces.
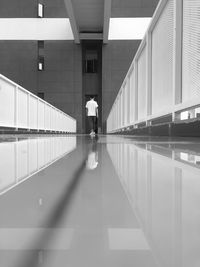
{"x":107,"y":15}
{"x":70,"y":12}
{"x":91,"y":36}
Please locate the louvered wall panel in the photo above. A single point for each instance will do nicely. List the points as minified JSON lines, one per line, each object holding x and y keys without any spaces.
{"x":128,"y":100}
{"x":132,"y":96}
{"x":125,"y":104}
{"x":114,"y":117}
{"x":191,"y":50}
{"x":142,"y":85}
{"x":120,"y":109}
{"x":162,"y":60}
{"x":117,"y":108}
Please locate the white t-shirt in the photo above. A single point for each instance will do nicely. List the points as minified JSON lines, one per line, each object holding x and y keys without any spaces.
{"x":92,"y":162}
{"x":91,"y":106}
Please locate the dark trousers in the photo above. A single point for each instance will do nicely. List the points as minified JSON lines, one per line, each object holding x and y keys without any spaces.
{"x":92,"y":122}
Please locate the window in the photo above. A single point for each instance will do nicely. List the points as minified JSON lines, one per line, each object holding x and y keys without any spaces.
{"x":40,"y":63}
{"x":40,"y":10}
{"x":40,"y":55}
{"x":91,"y":66}
{"x":91,"y":61}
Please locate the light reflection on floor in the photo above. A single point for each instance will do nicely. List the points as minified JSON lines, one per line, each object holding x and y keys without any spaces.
{"x":21,"y":158}
{"x":107,"y":201}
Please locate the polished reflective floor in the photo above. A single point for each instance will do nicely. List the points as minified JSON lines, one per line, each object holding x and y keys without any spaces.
{"x":107,"y":201}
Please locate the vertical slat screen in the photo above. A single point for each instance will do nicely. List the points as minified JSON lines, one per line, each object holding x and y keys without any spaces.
{"x":22,"y":107}
{"x":7,"y":103}
{"x":118,"y":114}
{"x":132,"y":96}
{"x":128,"y":100}
{"x":125,"y":104}
{"x":120,"y":110}
{"x":123,"y":107}
{"x":33,"y":112}
{"x":162,"y":60}
{"x":142,"y":85}
{"x":191,"y":50}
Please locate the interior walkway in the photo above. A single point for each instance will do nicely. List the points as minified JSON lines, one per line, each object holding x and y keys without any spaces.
{"x":107,"y":201}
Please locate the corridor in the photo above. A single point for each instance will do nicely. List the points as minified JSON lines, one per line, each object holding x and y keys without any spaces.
{"x":107,"y":201}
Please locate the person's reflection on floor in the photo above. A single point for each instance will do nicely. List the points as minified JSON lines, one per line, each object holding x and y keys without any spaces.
{"x":92,"y":160}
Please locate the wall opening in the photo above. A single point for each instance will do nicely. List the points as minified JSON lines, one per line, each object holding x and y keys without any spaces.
{"x":92,"y":79}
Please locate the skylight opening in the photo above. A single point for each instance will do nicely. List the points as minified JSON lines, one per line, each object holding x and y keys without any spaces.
{"x":35,"y":29}
{"x":128,"y":28}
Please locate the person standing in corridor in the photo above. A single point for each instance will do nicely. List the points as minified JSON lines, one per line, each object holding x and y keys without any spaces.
{"x":92,"y":114}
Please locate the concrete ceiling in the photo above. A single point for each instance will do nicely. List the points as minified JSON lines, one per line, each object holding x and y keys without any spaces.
{"x":90,"y":18}
{"x":89,"y":15}
{"x":133,"y":8}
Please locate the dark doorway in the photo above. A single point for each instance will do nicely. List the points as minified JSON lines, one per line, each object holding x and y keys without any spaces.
{"x":87,"y":126}
{"x":92,"y":78}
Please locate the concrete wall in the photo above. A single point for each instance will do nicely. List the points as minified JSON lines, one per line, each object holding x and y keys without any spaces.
{"x":61,"y":81}
{"x":18,"y":62}
{"x":18,"y":8}
{"x":117,"y":57}
{"x":133,"y":8}
{"x":28,"y":8}
{"x":54,"y":9}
